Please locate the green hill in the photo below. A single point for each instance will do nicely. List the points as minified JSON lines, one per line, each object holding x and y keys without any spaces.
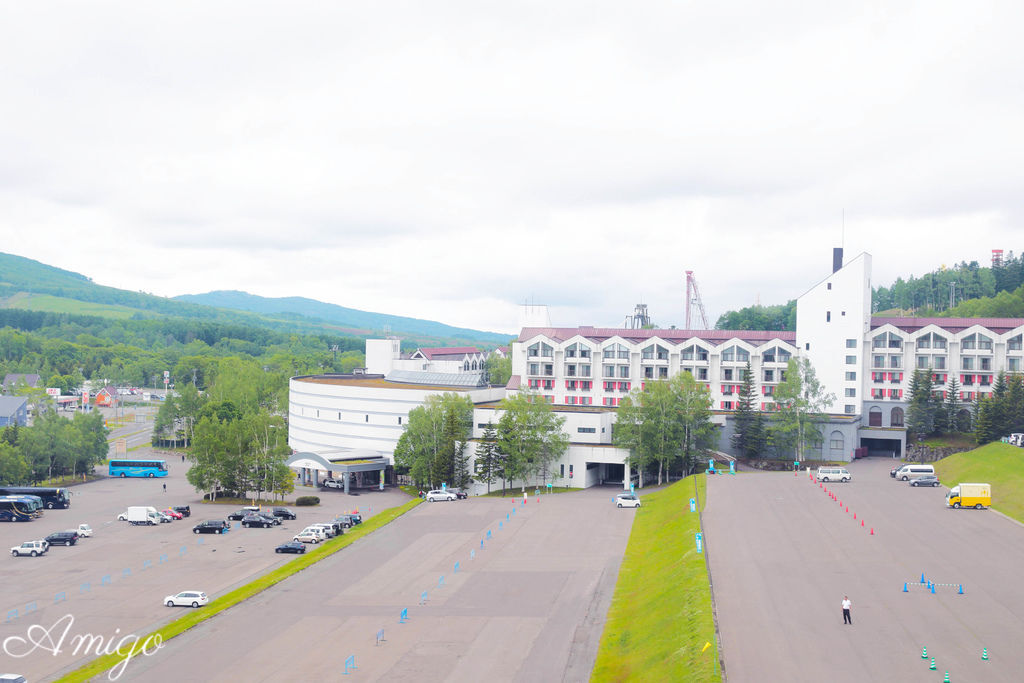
{"x":30,"y":285}
{"x":998,"y":464}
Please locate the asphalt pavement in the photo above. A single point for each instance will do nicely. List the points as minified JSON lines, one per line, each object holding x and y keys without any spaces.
{"x":783,"y":554}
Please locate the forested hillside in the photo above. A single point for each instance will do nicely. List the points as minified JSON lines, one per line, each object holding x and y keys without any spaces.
{"x":977,"y":292}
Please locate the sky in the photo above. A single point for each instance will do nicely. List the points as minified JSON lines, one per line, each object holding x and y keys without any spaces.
{"x":454,"y":160}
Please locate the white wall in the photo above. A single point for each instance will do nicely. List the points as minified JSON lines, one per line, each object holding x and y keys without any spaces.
{"x":381,"y":355}
{"x":836,"y":309}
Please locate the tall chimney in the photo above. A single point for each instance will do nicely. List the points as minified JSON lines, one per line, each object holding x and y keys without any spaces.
{"x":837,"y":258}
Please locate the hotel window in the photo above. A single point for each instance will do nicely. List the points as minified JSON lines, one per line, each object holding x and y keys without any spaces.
{"x":967,"y":363}
{"x":851,"y":343}
{"x":586,"y":430}
{"x":895,"y":361}
{"x":533,"y":369}
{"x":849,"y":409}
{"x":702,"y":374}
{"x":726,"y":405}
{"x":969,"y":342}
{"x":939,"y":362}
{"x":851,"y":393}
{"x":924,"y":342}
{"x":878,"y":361}
{"x":609,"y":371}
{"x":985,"y":364}
{"x":1015,"y":343}
{"x":922,"y":362}
{"x":851,"y":376}
{"x":851,"y":360}
{"x":648,"y":372}
{"x":549,"y":369}
{"x":662,"y":373}
{"x":1013,"y":363}
{"x":727,"y":374}
{"x":624,"y":371}
{"x":769,"y":375}
{"x":539,"y":349}
{"x":584,"y":371}
{"x":570,"y":351}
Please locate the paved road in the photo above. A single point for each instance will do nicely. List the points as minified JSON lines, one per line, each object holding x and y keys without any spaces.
{"x":39,"y":591}
{"x":529,"y":607}
{"x":783,"y":554}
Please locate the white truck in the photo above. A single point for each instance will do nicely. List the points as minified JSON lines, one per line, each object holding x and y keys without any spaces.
{"x":142,"y":515}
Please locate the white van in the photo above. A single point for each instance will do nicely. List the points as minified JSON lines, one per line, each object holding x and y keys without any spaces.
{"x":913,"y":471}
{"x":833,"y":474}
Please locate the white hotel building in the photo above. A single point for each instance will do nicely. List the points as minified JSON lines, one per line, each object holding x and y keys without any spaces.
{"x":866,"y":362}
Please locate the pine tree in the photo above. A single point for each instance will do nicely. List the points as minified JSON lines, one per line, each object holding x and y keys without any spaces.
{"x":487,"y":458}
{"x":921,"y":412}
{"x":983,"y":427}
{"x":748,"y":438}
{"x":952,"y":405}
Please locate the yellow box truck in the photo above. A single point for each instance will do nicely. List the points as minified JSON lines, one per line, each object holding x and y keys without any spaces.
{"x":977,"y":496}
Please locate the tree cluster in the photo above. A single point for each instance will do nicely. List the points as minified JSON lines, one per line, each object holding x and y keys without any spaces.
{"x":1002,"y":413}
{"x":665,"y":424}
{"x":432,"y":447}
{"x":53,"y":446}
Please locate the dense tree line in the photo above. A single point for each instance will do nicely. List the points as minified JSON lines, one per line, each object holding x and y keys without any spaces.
{"x":53,"y":446}
{"x":1002,"y":413}
{"x":779,"y":318}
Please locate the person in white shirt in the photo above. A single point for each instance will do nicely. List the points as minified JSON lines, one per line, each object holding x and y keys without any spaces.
{"x":846,"y":611}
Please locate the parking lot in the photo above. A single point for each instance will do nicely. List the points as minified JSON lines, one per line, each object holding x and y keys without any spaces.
{"x":118,"y":578}
{"x":527,"y":606}
{"x":783,"y":554}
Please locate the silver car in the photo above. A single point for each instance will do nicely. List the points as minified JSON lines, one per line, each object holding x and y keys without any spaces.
{"x":436,"y":495}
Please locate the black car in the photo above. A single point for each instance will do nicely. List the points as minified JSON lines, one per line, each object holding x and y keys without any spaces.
{"x":253,"y":519}
{"x":284,"y":513}
{"x":211,"y":526}
{"x":356,"y":517}
{"x":459,"y":493}
{"x":238,"y":514}
{"x":895,"y":469}
{"x":62,"y":538}
{"x":184,"y":510}
{"x":291,"y":547}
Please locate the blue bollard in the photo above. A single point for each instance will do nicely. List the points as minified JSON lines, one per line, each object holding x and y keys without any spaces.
{"x":481,"y":544}
{"x":905,"y":587}
{"x":472,"y":554}
{"x":440,"y":582}
{"x":922,"y":577}
{"x":500,"y":523}
{"x":456,"y":570}
{"x":488,"y":534}
{"x":403,"y":616}
{"x":961,"y":591}
{"x":933,"y":589}
{"x":506,"y":516}
{"x":350,"y":663}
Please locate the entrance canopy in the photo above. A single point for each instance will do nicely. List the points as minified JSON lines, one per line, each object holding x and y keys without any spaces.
{"x":359,"y":460}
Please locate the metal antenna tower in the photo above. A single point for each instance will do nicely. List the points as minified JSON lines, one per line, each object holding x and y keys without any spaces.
{"x":640,"y":319}
{"x":693,"y":297}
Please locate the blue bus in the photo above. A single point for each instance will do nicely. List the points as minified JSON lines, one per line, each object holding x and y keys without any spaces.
{"x":16,"y":509}
{"x":138,"y":468}
{"x":51,"y":497}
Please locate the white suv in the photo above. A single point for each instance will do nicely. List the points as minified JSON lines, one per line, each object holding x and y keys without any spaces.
{"x":627,"y":500}
{"x":436,"y":495}
{"x":32,"y":548}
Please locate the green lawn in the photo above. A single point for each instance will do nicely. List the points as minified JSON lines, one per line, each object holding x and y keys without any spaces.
{"x":998,"y":464}
{"x":57,"y":304}
{"x":660,"y":618}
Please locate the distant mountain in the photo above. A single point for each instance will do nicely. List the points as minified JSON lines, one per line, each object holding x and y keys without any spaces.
{"x":347,"y":319}
{"x":30,"y":285}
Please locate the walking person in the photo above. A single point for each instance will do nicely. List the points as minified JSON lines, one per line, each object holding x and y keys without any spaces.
{"x":165,"y":488}
{"x":846,"y":611}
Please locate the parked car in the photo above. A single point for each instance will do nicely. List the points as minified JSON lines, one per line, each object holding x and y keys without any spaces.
{"x":84,"y":530}
{"x":211,"y":526}
{"x":31,"y":548}
{"x":252,"y":520}
{"x":460,"y":493}
{"x":62,"y":538}
{"x":187,"y":599}
{"x":165,"y":518}
{"x":356,"y":517}
{"x":627,"y":500}
{"x":291,"y":547}
{"x":346,"y":521}
{"x":436,"y":495}
{"x":183,"y":510}
{"x":172,"y":513}
{"x":332,"y":484}
{"x":328,"y":529}
{"x":237,"y":515}
{"x":926,"y":480}
{"x":308,"y":536}
{"x":283,"y":513}
{"x":895,"y":469}
{"x":276,"y":521}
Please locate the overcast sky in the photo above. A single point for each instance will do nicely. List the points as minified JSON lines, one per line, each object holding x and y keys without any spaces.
{"x":451,"y":160}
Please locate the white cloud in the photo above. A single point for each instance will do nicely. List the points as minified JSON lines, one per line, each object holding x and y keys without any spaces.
{"x":453,"y":160}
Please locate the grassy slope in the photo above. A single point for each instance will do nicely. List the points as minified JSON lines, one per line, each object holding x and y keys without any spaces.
{"x":998,"y":464}
{"x":57,"y":304}
{"x":661,"y":616}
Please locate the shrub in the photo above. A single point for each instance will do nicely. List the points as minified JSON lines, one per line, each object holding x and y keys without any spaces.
{"x":307,"y":500}
{"x":221,"y":494}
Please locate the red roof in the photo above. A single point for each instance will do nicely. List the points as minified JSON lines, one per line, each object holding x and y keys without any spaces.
{"x":514,"y":382}
{"x":996,"y":325}
{"x":600,"y":334}
{"x":434,"y":354}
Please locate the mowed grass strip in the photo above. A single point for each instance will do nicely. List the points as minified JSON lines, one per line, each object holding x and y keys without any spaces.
{"x":312,"y":555}
{"x":998,"y":464}
{"x":660,"y":618}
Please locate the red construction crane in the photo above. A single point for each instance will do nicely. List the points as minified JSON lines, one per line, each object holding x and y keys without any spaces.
{"x":693,"y":297}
